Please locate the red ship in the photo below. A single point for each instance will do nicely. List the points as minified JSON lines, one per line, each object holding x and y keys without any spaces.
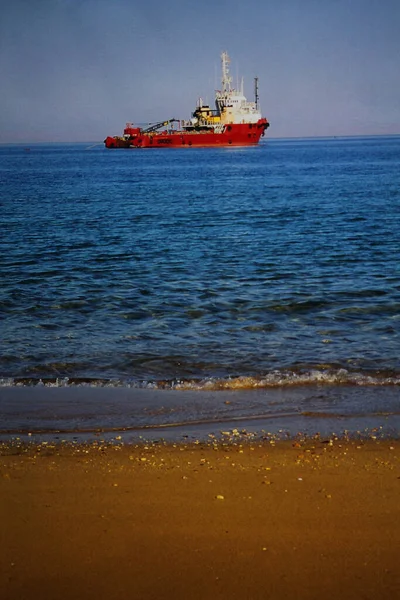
{"x":233,"y":122}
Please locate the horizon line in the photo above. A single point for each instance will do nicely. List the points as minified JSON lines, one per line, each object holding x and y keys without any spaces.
{"x":270,"y":138}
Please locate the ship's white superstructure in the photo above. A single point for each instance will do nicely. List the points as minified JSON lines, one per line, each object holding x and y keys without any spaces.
{"x":231,"y":103}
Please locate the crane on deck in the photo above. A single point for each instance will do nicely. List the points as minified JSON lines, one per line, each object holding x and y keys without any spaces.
{"x":158,"y":125}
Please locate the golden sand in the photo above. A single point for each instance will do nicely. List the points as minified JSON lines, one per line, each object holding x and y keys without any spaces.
{"x":313,"y":520}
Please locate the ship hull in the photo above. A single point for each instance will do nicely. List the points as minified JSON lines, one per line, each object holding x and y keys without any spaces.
{"x":239,"y":134}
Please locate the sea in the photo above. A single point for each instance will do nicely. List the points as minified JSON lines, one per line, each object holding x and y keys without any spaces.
{"x":185,"y":292}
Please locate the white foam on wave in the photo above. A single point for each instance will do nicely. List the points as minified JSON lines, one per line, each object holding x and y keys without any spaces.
{"x":272,"y":379}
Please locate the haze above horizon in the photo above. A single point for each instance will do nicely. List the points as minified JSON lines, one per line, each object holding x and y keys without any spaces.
{"x":77,"y":70}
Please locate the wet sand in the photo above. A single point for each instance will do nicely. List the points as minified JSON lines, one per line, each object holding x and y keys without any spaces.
{"x":263,"y":519}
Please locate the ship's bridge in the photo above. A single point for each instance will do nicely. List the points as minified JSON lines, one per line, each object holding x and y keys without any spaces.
{"x":234,"y":108}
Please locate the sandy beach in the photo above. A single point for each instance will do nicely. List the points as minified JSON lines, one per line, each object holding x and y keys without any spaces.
{"x":291,"y":519}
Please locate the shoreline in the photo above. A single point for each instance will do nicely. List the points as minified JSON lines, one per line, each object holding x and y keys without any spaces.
{"x":255,"y":519}
{"x":85,"y":413}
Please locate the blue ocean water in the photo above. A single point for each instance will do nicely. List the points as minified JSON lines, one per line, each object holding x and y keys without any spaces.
{"x":258,"y":286}
{"x":236,"y":267}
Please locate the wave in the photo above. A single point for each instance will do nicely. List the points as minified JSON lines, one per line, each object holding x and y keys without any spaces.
{"x":273,"y":379}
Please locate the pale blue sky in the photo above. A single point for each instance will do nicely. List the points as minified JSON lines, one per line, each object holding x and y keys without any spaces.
{"x":77,"y":70}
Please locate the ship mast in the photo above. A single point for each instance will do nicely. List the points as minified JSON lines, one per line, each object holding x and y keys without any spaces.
{"x":226,"y":78}
{"x":256,"y":91}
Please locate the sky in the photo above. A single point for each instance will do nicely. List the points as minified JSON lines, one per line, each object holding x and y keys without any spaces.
{"x":78,"y":70}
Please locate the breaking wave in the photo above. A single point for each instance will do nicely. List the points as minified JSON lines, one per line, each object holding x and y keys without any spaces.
{"x":273,"y":379}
